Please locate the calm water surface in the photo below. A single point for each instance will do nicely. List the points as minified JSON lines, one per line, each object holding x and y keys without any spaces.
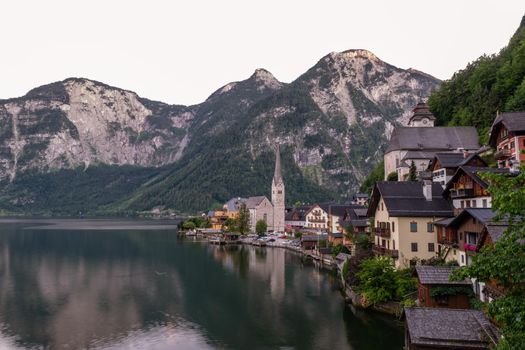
{"x":101,"y":284}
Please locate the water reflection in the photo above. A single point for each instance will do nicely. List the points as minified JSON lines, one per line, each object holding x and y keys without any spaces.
{"x":108,"y":289}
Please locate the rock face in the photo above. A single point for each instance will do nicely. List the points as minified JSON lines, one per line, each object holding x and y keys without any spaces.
{"x":332,"y":124}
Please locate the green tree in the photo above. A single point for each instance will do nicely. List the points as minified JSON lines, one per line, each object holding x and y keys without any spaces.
{"x":188,"y":225}
{"x":412,"y":173}
{"x":261,"y":227}
{"x":504,"y":262}
{"x":339,"y":248}
{"x":375,"y":175}
{"x":243,"y":219}
{"x":392,"y":176}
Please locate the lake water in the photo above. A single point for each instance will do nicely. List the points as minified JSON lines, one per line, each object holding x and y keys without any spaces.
{"x":127,"y":284}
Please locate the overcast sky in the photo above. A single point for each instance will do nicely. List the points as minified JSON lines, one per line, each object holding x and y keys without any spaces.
{"x":181,"y":51}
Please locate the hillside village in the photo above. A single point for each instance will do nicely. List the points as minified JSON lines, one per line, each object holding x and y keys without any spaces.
{"x":431,"y":214}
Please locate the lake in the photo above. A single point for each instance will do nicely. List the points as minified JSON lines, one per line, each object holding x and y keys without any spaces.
{"x":133,"y":284}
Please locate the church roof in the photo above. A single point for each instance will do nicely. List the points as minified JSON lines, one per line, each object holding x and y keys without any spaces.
{"x":421,"y":111}
{"x":433,"y":138}
{"x":253,"y":202}
{"x":277,"y":175}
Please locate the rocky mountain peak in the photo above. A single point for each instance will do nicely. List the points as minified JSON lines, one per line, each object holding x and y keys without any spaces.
{"x":263,"y":77}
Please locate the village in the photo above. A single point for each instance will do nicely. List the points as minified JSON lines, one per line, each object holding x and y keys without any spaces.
{"x":431,"y":215}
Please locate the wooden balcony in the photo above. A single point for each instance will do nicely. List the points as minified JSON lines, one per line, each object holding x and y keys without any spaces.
{"x":503,"y":154}
{"x":449,"y":240}
{"x":382,"y":232}
{"x":461,"y":193}
{"x":379,"y":250}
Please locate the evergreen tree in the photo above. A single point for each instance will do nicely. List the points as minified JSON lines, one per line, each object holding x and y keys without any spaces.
{"x":261,"y":227}
{"x":412,"y":174}
{"x":243,"y":219}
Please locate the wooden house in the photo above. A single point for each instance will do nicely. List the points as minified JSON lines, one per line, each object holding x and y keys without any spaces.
{"x":445,"y":164}
{"x":436,"y":290}
{"x":440,"y":328}
{"x":507,"y":136}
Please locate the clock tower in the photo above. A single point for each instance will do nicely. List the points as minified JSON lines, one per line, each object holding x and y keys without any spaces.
{"x":278,"y":194}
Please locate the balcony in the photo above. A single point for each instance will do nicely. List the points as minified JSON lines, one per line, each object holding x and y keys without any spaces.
{"x":461,"y":193}
{"x":503,"y":154}
{"x":385,"y":251}
{"x":448,"y":240}
{"x":382,"y":232}
{"x":317,"y":220}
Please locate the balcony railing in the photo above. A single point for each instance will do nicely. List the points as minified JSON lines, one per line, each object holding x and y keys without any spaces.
{"x":385,"y":251}
{"x":319,"y":220}
{"x":503,"y":154}
{"x":382,"y":232}
{"x":451,"y":241}
{"x":461,"y":192}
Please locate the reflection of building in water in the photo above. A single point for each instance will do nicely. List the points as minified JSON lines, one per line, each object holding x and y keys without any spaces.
{"x":270,"y":267}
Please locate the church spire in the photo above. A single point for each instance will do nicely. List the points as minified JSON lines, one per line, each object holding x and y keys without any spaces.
{"x":277,"y":176}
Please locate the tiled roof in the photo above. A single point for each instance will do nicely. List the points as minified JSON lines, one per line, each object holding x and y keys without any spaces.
{"x":496,"y":231}
{"x":253,"y":202}
{"x":450,"y":328}
{"x":475,"y":174}
{"x":436,"y":275}
{"x":234,"y":203}
{"x":418,"y":155}
{"x":433,"y":138}
{"x":405,"y":198}
{"x":513,"y":121}
{"x":314,"y":238}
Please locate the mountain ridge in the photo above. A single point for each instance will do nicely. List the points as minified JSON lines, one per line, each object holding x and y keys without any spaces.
{"x":332,"y":122}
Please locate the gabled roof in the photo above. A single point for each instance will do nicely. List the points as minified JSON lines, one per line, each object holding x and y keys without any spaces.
{"x":433,"y":138}
{"x":299,"y":212}
{"x":450,"y":328}
{"x":455,"y":159}
{"x":253,"y":202}
{"x":405,"y":198}
{"x":339,"y":209}
{"x":495,"y":231}
{"x":474,"y":173}
{"x":437,"y":275}
{"x":418,"y":155}
{"x":234,"y":203}
{"x":512,"y":121}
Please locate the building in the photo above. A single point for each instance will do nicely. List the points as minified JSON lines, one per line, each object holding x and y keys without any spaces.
{"x":466,"y":231}
{"x":436,"y":290}
{"x":316,"y":219}
{"x":360,"y":199}
{"x":260,"y":208}
{"x":467,"y":189}
{"x":311,"y":242}
{"x":218,"y":219}
{"x":403,"y":214}
{"x":278,"y":198}
{"x":337,"y":212}
{"x":295,"y":218}
{"x":507,"y":136}
{"x":422,"y":139}
{"x":439,"y":328}
{"x":445,"y":164}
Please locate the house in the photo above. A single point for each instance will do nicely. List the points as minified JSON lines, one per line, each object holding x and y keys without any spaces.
{"x":335,"y":238}
{"x":218,"y":219}
{"x":356,"y":219}
{"x":440,"y":328}
{"x":260,"y":208}
{"x":507,"y":136}
{"x":445,"y":164}
{"x":436,"y":290}
{"x":316,"y":219}
{"x":468,"y":229}
{"x":489,"y":236}
{"x":295,"y":218}
{"x":467,"y":188}
{"x":336,"y":212}
{"x":403,"y":214}
{"x":423,"y":140}
{"x":232,"y":207}
{"x":360,"y":199}
{"x":310,"y":242}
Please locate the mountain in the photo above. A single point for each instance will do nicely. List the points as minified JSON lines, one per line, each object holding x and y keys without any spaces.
{"x":80,"y":145}
{"x":490,"y":84}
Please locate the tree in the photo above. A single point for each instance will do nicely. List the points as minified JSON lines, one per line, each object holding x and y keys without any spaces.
{"x":261,"y":227}
{"x":375,"y":175}
{"x":188,"y":225}
{"x":243,"y":219}
{"x":504,"y":261}
{"x":412,"y":173}
{"x":392,"y":176}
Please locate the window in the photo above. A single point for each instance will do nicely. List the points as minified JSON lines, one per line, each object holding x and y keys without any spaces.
{"x":430,"y":227}
{"x":431,"y":247}
{"x":468,"y":204}
{"x":484,"y":203}
{"x":413,"y":226}
{"x":394,"y":244}
{"x":382,"y":208}
{"x":413,"y":247}
{"x":512,"y":144}
{"x":383,"y":243}
{"x":474,"y":203}
{"x":462,"y":204}
{"x":462,"y":258}
{"x":393,"y":227}
{"x":471,"y":237}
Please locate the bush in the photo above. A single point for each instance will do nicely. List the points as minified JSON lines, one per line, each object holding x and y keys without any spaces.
{"x":339,"y":248}
{"x":261,"y":227}
{"x":392,"y":176}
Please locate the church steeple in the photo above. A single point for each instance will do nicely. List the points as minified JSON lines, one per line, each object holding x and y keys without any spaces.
{"x":278,"y":194}
{"x":277,"y":176}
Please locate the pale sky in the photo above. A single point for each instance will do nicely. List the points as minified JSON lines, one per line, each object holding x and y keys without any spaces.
{"x":181,"y":51}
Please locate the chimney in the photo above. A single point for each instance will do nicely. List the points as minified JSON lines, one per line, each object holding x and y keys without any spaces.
{"x":427,"y":189}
